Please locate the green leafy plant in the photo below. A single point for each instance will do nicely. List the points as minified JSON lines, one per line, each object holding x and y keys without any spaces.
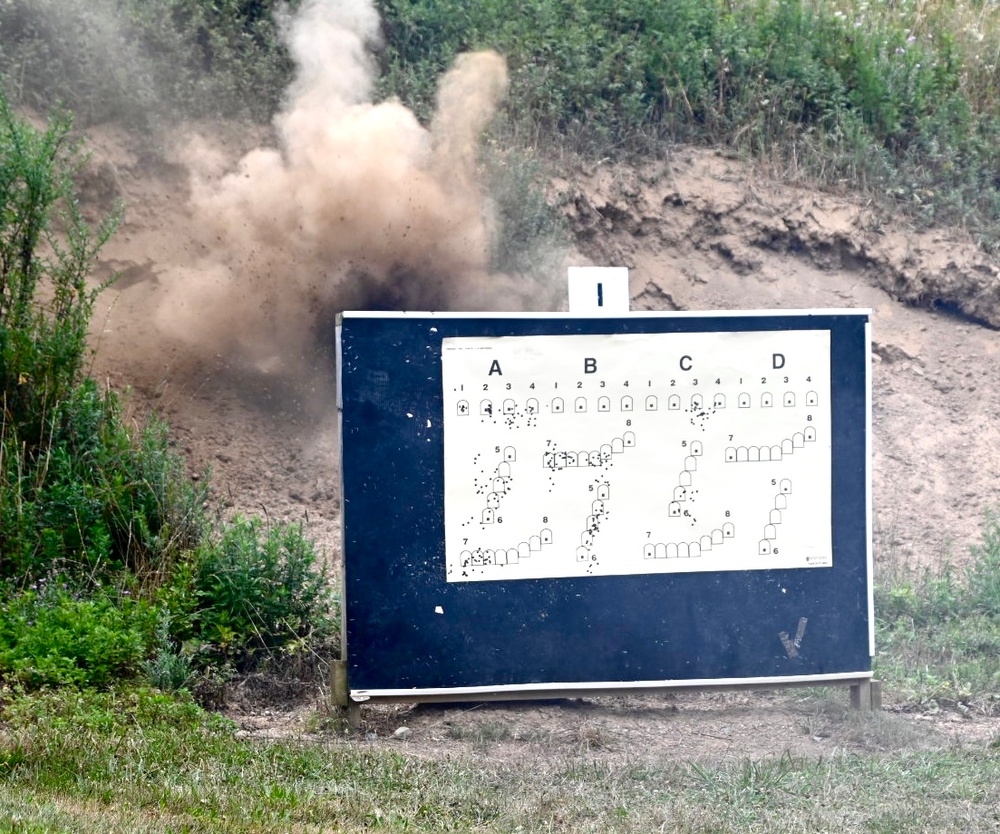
{"x":168,"y":669}
{"x":80,"y":490}
{"x":47,"y":250}
{"x":939,"y":630}
{"x":258,"y":589}
{"x":99,"y":498}
{"x":51,"y":635}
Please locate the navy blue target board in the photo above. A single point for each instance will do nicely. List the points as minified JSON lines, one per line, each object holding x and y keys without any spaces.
{"x":541,"y":502}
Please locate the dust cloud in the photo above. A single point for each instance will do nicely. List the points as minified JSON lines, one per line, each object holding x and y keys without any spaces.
{"x":357,"y":206}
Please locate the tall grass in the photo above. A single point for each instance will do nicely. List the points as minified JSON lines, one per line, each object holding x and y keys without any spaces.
{"x":939,"y":630}
{"x":896,"y":98}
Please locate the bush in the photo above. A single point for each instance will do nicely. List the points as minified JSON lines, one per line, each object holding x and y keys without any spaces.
{"x":168,"y":669}
{"x":79,"y":492}
{"x":253,"y":590}
{"x":47,"y":251}
{"x":88,"y":502}
{"x":97,"y":500}
{"x":897,"y":98}
{"x":52,"y":636}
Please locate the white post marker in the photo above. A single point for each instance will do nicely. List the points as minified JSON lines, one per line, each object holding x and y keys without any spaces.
{"x":598,"y":290}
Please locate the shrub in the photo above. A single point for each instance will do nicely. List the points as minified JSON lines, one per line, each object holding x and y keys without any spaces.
{"x":168,"y":669}
{"x":47,"y":251}
{"x":53,"y":636}
{"x":983,"y":575}
{"x":97,"y":500}
{"x":78,"y":490}
{"x":87,"y":501}
{"x":253,"y":590}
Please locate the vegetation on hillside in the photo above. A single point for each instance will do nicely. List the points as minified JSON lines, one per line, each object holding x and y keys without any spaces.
{"x":141,"y":61}
{"x":110,"y":567}
{"x":890,"y":97}
{"x":900,"y":99}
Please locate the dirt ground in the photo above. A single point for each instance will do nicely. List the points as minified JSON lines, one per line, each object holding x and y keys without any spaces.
{"x":699,"y":231}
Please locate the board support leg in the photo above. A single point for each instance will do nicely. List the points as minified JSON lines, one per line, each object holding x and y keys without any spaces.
{"x":866,"y":695}
{"x":341,"y":696}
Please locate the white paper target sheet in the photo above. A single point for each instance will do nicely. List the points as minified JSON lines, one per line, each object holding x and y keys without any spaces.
{"x":596,"y":455}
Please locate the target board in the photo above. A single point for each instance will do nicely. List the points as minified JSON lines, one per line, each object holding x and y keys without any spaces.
{"x":539,"y":501}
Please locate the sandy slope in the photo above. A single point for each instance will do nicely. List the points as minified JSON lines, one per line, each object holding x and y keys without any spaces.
{"x":699,"y":232}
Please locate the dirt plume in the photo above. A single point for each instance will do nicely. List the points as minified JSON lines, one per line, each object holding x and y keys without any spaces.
{"x":357,"y":206}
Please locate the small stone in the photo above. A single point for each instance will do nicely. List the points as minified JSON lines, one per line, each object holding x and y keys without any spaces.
{"x":402,"y":733}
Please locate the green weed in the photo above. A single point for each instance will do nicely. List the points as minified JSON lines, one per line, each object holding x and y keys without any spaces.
{"x":938,"y":631}
{"x":257,"y":590}
{"x":169,"y":669}
{"x":742,"y":792}
{"x":51,"y":636}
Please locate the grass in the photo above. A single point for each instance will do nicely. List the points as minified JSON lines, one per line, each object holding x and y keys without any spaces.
{"x":938,"y":630}
{"x":141,"y":761}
